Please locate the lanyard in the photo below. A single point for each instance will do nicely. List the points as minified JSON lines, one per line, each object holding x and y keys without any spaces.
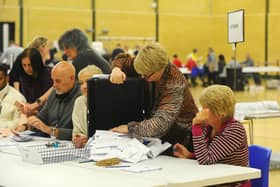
{"x":2,"y":101}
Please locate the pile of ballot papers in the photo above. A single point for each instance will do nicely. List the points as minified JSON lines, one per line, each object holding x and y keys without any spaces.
{"x":244,"y":109}
{"x":107,"y":144}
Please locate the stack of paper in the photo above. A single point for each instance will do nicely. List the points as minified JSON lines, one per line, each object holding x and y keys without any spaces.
{"x":107,"y":144}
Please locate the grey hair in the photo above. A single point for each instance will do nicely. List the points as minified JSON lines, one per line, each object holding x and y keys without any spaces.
{"x":74,"y":38}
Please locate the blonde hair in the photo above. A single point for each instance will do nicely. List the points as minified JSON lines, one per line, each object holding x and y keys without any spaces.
{"x":151,"y":58}
{"x":38,"y":42}
{"x":91,"y":69}
{"x":220,"y":100}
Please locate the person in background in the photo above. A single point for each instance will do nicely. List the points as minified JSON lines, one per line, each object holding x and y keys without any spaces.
{"x":75,"y":45}
{"x":79,"y":115}
{"x":115,"y":53}
{"x":233,"y":63}
{"x":174,"y":106}
{"x":54,"y":119}
{"x":9,"y":114}
{"x":249,"y":62}
{"x":176,"y":61}
{"x":211,"y":67}
{"x":10,"y":54}
{"x":217,"y":136}
{"x":222,"y":74}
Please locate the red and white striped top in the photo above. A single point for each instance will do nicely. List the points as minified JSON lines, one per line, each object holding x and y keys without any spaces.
{"x":229,"y":146}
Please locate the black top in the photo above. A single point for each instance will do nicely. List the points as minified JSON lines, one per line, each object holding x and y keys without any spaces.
{"x":90,"y":57}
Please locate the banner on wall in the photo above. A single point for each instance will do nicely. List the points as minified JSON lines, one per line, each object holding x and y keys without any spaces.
{"x":236,"y":26}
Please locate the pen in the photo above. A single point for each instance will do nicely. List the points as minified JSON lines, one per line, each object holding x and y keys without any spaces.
{"x":122,"y":166}
{"x":86,"y":161}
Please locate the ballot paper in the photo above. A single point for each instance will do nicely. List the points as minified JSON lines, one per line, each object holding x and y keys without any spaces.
{"x":107,"y":144}
{"x":141,"y":168}
{"x":244,"y":109}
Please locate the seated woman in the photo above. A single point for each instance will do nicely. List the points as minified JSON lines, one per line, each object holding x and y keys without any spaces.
{"x":173,"y":108}
{"x":79,"y":115}
{"x":217,"y":136}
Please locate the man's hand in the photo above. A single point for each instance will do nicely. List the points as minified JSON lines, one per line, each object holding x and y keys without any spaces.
{"x":181,"y":151}
{"x":38,"y":124}
{"x":117,"y":76}
{"x":30,"y":109}
{"x":79,"y":141}
{"x":5,"y":132}
{"x":121,"y":129}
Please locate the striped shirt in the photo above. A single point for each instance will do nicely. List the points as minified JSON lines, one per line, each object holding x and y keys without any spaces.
{"x":229,"y":146}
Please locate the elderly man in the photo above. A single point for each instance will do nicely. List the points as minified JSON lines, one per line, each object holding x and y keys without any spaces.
{"x":55,"y":117}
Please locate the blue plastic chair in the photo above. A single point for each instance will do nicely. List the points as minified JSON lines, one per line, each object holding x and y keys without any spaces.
{"x":259,"y":157}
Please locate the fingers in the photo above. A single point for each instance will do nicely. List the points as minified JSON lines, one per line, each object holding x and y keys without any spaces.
{"x":79,"y":141}
{"x":117,"y":76}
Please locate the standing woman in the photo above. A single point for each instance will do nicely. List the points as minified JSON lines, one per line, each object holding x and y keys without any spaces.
{"x":34,"y":77}
{"x":174,"y":106}
{"x":75,"y":45}
{"x":41,"y":44}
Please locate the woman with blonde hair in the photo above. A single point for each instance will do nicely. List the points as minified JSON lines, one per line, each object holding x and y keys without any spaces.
{"x":174,"y":106}
{"x":79,"y":115}
{"x":42,"y":45}
{"x":217,"y":136}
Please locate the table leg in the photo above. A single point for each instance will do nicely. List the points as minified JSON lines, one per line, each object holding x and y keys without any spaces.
{"x":251,"y":131}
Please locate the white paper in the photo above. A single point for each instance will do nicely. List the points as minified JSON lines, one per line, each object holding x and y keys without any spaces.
{"x":141,"y":168}
{"x":235,"y":26}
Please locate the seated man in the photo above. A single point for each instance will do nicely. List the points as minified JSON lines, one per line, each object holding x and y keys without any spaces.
{"x":9,"y":115}
{"x":55,"y":117}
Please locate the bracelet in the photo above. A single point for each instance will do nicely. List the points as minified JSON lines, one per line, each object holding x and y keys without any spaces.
{"x":39,"y":101}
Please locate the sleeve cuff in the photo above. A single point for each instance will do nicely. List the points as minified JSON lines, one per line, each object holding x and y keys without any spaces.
{"x":196,"y":130}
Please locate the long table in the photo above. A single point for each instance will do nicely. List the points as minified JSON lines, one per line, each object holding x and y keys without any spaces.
{"x":174,"y":172}
{"x":261,"y":69}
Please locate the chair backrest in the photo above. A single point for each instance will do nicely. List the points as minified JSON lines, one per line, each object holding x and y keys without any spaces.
{"x":259,"y":157}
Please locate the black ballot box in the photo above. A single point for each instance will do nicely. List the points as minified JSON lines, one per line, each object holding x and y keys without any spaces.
{"x":110,"y":105}
{"x":235,"y":82}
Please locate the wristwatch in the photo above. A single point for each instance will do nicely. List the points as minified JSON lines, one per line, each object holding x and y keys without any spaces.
{"x":53,"y":131}
{"x":38,"y":101}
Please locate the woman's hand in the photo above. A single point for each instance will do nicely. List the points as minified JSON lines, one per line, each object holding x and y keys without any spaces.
{"x":181,"y":151}
{"x":79,"y":141}
{"x":201,"y":117}
{"x":121,"y":129}
{"x":117,"y":76}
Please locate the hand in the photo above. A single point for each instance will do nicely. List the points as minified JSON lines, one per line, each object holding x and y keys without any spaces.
{"x":121,"y":129}
{"x":201,"y":117}
{"x":5,"y":132}
{"x":181,"y":151}
{"x":30,"y":109}
{"x":19,"y":128}
{"x":79,"y":141}
{"x":38,"y":124}
{"x":117,"y":76}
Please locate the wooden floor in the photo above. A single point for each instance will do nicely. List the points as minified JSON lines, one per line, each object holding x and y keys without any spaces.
{"x":266,"y":131}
